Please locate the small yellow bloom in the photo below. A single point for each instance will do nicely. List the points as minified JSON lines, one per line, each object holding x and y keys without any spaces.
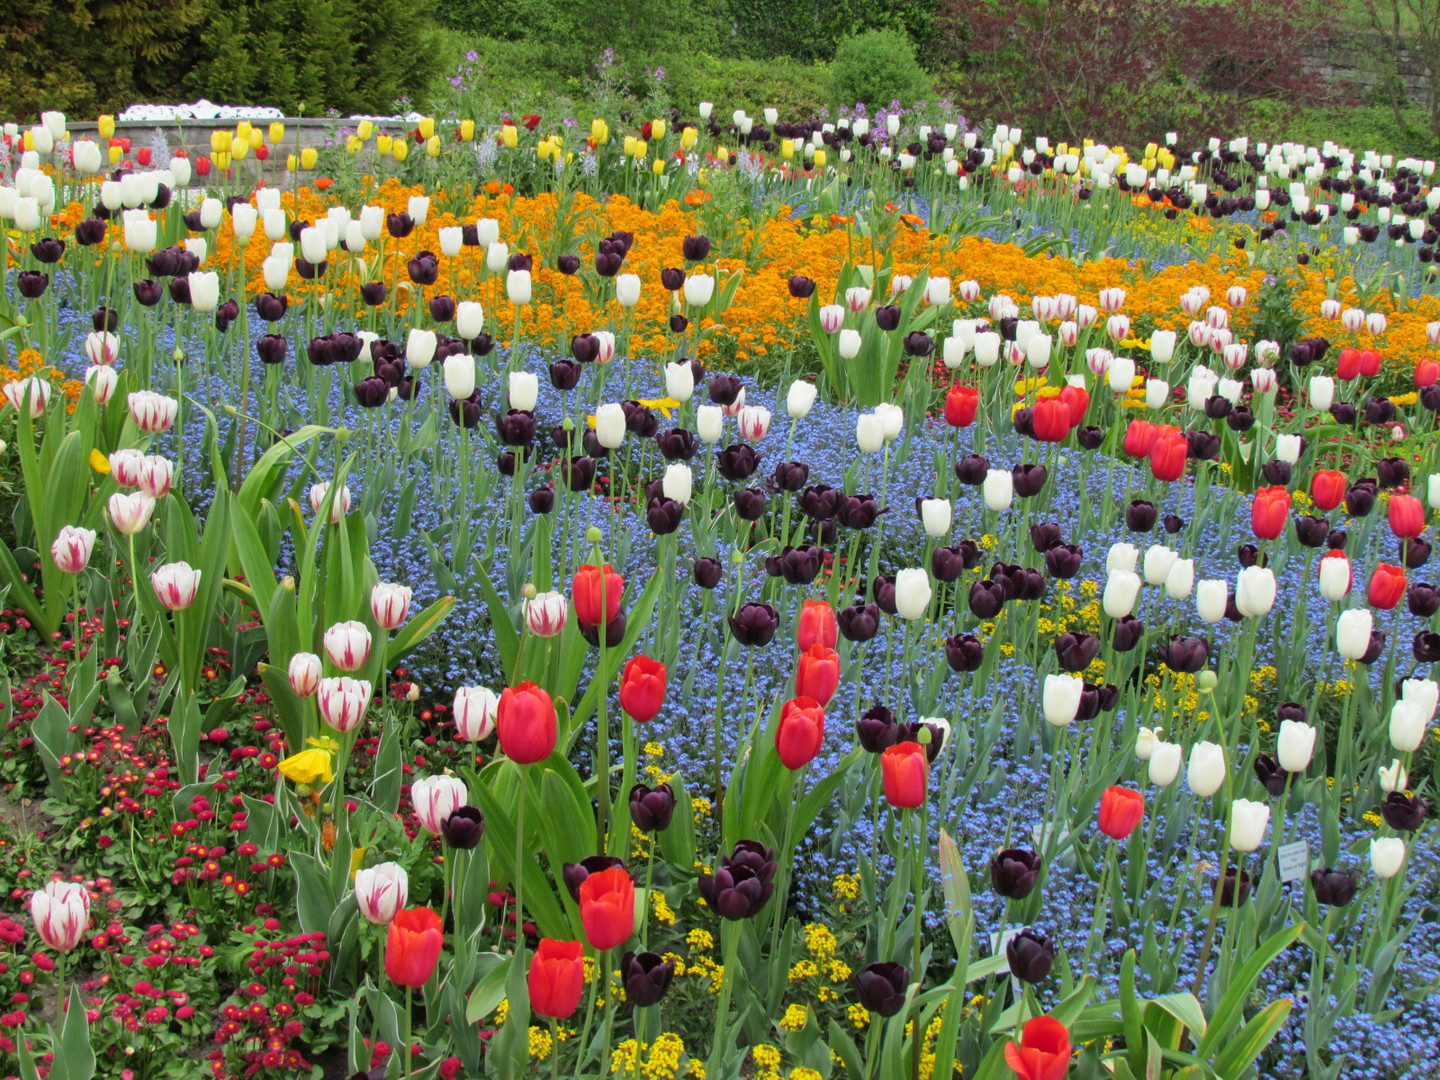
{"x":657,"y":129}
{"x":239,"y":148}
{"x":432,"y":146}
{"x":243,"y":129}
{"x":426,"y":126}
{"x":277,"y":131}
{"x":256,"y":138}
{"x":310,"y":765}
{"x":106,"y":126}
{"x":364,"y":130}
{"x":467,"y":130}
{"x":382,"y":144}
{"x":309,"y":156}
{"x":658,"y":166}
{"x":99,"y":462}
{"x":820,"y":159}
{"x":688,"y":136}
{"x":510,"y":136}
{"x":357,"y":860}
{"x":400,"y":149}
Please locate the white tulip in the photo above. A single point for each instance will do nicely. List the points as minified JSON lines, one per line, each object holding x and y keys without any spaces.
{"x":1211,"y":599}
{"x":1206,"y":771}
{"x":1295,"y":746}
{"x":1165,"y":763}
{"x":1249,"y":821}
{"x":610,"y":425}
{"x":1060,"y":699}
{"x":459,"y":375}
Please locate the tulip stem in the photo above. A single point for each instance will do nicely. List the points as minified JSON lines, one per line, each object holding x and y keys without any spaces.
{"x":409,"y":1021}
{"x":554,"y":1050}
{"x":782,"y":888}
{"x":602,"y":729}
{"x":519,"y":865}
{"x":730,"y":939}
{"x":918,"y":1034}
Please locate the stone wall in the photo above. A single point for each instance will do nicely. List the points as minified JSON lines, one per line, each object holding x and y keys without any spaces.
{"x":1354,"y":62}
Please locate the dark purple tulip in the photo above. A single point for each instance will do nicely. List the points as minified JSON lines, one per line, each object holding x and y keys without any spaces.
{"x":1028,"y":479}
{"x":1376,"y":647}
{"x":442,"y":308}
{"x":1269,"y":773}
{"x":1404,"y":813}
{"x":887,"y":317}
{"x":1416,"y":552}
{"x":947,"y":564}
{"x":1076,"y":651}
{"x":1140,"y":515}
{"x":1334,"y":887}
{"x":877,"y":729}
{"x":466,"y":412}
{"x":918,"y":343}
{"x":1360,"y":499}
{"x":1240,"y":419}
{"x":677,"y":444}
{"x":882,"y":987}
{"x":579,"y":472}
{"x":1236,"y":888}
{"x":1013,"y":873}
{"x":820,"y":502}
{"x":742,"y":883}
{"x":1063,"y":561}
{"x":1203,"y":445}
{"x":105,"y":318}
{"x":986,"y":599}
{"x":1311,"y":531}
{"x":32,"y":284}
{"x":271,"y":348}
{"x":972,"y":469}
{"x":424,"y":268}
{"x":1045,"y":535}
{"x":270,"y":307}
{"x":1127,"y":633}
{"x":651,"y":809}
{"x":737,"y":462}
{"x":664,"y":516}
{"x":802,"y":287}
{"x":749,"y":504}
{"x":646,"y":977}
{"x":585,"y":347}
{"x":516,"y":428}
{"x":672,"y":280}
{"x":797,"y":565}
{"x":400,"y":225}
{"x":1173,"y":523}
{"x":1247,"y":555}
{"x":964,"y":652}
{"x":883,"y":590}
{"x":147,"y":292}
{"x":564,"y":374}
{"x":614,"y":632}
{"x":1089,"y":437}
{"x":542,"y":500}
{"x":1392,"y":471}
{"x":857,"y":511}
{"x":1186,"y":654}
{"x":372,"y":392}
{"x":373,"y":293}
{"x":1343,"y":412}
{"x":790,"y":475}
{"x":1031,"y":955}
{"x":707,"y":572}
{"x":569,"y":265}
{"x":1426,"y":647}
{"x":1217,"y":407}
{"x":89,"y":232}
{"x":695,"y":248}
{"x":754,"y":624}
{"x":179,"y":289}
{"x":859,"y":622}
{"x":463,"y":829}
{"x":308,"y":270}
{"x":724,"y":389}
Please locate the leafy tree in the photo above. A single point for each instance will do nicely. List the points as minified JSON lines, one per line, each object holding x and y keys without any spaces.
{"x":1075,"y":68}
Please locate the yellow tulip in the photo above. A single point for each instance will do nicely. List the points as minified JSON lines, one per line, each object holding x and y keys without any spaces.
{"x":353,"y":144}
{"x":219,"y":140}
{"x":277,"y":131}
{"x":308,"y":157}
{"x":658,"y":166}
{"x":222,"y":160}
{"x":599,"y":131}
{"x":239,"y":148}
{"x":820,"y":159}
{"x":291,"y":163}
{"x":510,"y":136}
{"x":630,"y":145}
{"x":115,"y":152}
{"x":787,"y":148}
{"x":721,"y":154}
{"x":364,"y":130}
{"x":243,"y":129}
{"x":106,"y":125}
{"x":432,"y":146}
{"x":657,"y":129}
{"x":569,"y":157}
{"x":308,"y":766}
{"x":688,"y":137}
{"x":467,"y":129}
{"x":426,"y":126}
{"x":382,"y":144}
{"x":400,"y":149}
{"x":641,"y":148}
{"x":1150,"y":149}
{"x":256,"y":138}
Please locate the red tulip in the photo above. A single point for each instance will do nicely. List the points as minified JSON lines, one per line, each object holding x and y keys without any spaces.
{"x":1168,"y":456}
{"x":556,"y":978}
{"x":642,"y":688}
{"x":526,"y":723}
{"x":905,"y":768}
{"x":531,"y":121}
{"x":817,"y":674}
{"x":1407,"y":516}
{"x":143,"y":156}
{"x":1268,"y":511}
{"x":1369,"y":362}
{"x":1052,"y":419}
{"x":1120,"y":811}
{"x":1043,"y":1052}
{"x":1387,"y":586}
{"x":1077,"y":400}
{"x":1327,"y":488}
{"x":412,"y":946}
{"x":961,"y":404}
{"x":817,"y":625}
{"x":1140,"y":438}
{"x":202,"y":166}
{"x":1427,"y":373}
{"x":801,"y":731}
{"x":607,"y":908}
{"x":1348,"y":366}
{"x":586,"y":594}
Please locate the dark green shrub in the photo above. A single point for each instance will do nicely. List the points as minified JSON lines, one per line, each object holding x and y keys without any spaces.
{"x":878,"y":67}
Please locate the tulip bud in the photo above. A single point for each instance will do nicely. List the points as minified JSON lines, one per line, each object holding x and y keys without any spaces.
{"x":304,"y":673}
{"x":609,"y":425}
{"x":1295,"y":746}
{"x":1211,"y":598}
{"x":1352,"y":633}
{"x":1248,"y":824}
{"x":459,"y":374}
{"x":912,"y":593}
{"x":1387,"y":856}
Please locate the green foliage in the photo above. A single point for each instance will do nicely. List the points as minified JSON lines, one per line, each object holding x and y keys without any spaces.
{"x":309,"y":55}
{"x":85,"y":57}
{"x":878,"y":67}
{"x":811,"y":30}
{"x":1359,"y":128}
